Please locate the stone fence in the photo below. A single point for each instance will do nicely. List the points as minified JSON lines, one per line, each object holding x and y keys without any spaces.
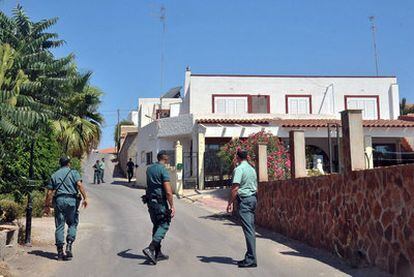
{"x":365,"y":216}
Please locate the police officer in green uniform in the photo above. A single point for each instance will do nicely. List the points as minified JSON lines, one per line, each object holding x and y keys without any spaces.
{"x":64,"y":187}
{"x":159,"y":198}
{"x":244,"y":189}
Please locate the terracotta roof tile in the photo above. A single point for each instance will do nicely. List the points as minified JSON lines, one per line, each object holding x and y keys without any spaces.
{"x":233,"y":121}
{"x":110,"y":150}
{"x":315,"y":123}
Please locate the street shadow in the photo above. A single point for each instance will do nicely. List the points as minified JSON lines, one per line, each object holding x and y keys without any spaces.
{"x":43,"y":254}
{"x":218,"y":217}
{"x":125,"y":184}
{"x":117,"y":173}
{"x":217,"y":260}
{"x":301,"y":249}
{"x":125,"y":254}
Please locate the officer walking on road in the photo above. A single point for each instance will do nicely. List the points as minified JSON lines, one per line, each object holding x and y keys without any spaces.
{"x":159,"y":198}
{"x":130,"y":169}
{"x":64,"y":187}
{"x":244,"y":189}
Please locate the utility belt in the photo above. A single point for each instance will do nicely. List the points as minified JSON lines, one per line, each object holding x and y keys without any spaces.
{"x":76,"y":196}
{"x":240,"y":198}
{"x":148,"y":198}
{"x":161,"y":212}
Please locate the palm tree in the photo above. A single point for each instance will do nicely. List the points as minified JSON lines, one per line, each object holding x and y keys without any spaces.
{"x":80,"y":130}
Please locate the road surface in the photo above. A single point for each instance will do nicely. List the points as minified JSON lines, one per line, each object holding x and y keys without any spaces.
{"x":116,"y":227}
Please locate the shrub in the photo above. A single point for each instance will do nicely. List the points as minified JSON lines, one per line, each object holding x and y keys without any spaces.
{"x":11,"y":210}
{"x":278,"y":161}
{"x":38,"y":203}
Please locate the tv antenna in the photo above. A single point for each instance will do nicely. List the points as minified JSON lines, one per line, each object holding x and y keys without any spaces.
{"x":374,"y":41}
{"x":162,"y":16}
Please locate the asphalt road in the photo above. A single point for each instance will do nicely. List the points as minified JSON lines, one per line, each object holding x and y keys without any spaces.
{"x":116,"y":227}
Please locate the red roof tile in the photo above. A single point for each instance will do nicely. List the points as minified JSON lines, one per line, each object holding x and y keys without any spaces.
{"x":111,"y":150}
{"x":315,"y":123}
{"x":233,"y":121}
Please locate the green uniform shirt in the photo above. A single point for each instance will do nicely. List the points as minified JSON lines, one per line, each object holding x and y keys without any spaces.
{"x":101,"y":165}
{"x":157,"y":174}
{"x":69,"y":185}
{"x":245,"y":175}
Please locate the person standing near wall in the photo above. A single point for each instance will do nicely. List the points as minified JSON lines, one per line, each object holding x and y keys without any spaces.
{"x":102,"y":169}
{"x":96,"y":172}
{"x":244,"y":189}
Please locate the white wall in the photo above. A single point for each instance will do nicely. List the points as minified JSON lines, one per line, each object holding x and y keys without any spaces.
{"x":145,"y":109}
{"x":201,"y":89}
{"x":133,"y":117}
{"x":147,"y":141}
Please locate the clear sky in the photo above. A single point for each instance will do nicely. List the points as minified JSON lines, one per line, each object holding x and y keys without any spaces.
{"x":120,"y":41}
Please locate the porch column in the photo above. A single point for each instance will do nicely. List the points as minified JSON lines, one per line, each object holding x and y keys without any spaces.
{"x":353,"y":140}
{"x":179,"y":168}
{"x":297,"y":153}
{"x":369,"y":155}
{"x":261,"y":166}
{"x":398,"y":149}
{"x":201,"y":147}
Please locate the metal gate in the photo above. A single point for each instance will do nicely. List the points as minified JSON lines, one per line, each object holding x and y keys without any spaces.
{"x":190,"y":172}
{"x":216,"y":172}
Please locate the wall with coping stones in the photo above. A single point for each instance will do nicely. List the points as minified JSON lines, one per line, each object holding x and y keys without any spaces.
{"x":366,"y":217}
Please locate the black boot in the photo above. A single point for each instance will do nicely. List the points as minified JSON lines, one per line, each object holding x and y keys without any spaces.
{"x":69,"y":254}
{"x":60,"y":254}
{"x":150,"y":252}
{"x":159,"y":255}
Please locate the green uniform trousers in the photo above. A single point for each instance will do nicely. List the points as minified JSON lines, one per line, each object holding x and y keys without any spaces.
{"x":66,"y":211}
{"x":102,"y":174}
{"x":159,"y":219}
{"x":247,"y":210}
{"x":96,"y":177}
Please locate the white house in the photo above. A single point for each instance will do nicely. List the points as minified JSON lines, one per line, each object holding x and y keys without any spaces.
{"x":215,"y":108}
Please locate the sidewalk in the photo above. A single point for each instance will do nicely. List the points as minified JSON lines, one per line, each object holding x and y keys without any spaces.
{"x":26,"y":261}
{"x":214,"y":200}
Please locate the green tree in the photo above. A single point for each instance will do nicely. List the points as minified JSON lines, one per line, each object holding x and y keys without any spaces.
{"x":80,"y":130}
{"x":405,"y":108}
{"x":123,"y":122}
{"x":19,"y":113}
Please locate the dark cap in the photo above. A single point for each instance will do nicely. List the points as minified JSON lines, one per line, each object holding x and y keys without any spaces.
{"x":64,"y":161}
{"x":242,"y":154}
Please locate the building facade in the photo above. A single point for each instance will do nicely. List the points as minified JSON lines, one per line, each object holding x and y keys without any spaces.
{"x":215,"y":108}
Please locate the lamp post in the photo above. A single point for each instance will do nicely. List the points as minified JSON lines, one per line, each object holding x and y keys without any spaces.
{"x":29,"y":208}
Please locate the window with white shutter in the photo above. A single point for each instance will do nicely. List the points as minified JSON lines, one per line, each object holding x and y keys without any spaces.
{"x":230,"y":105}
{"x":298,"y":104}
{"x":368,"y":105}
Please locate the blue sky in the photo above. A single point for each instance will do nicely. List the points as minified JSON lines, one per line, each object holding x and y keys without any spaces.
{"x":120,"y":41}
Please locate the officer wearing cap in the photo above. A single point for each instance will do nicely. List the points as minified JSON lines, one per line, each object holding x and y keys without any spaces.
{"x":244,"y":189}
{"x":64,"y":187}
{"x":159,"y":198}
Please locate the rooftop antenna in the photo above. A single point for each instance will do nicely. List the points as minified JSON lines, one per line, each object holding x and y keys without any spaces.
{"x":162,"y":17}
{"x":374,"y":41}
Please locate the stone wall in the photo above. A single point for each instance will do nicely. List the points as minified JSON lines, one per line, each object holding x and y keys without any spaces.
{"x":365,"y":216}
